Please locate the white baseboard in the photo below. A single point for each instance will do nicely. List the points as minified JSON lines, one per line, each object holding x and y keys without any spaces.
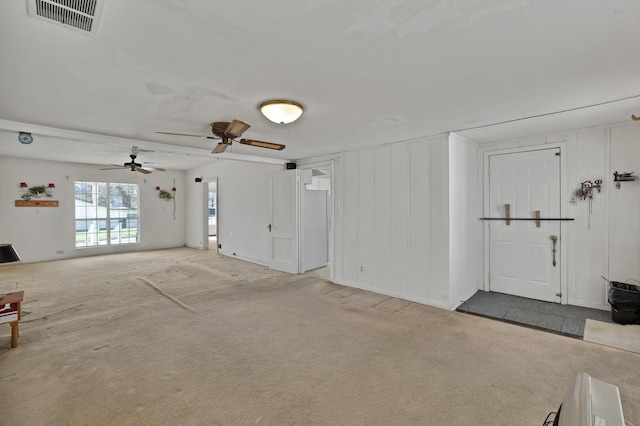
{"x":397,"y":295}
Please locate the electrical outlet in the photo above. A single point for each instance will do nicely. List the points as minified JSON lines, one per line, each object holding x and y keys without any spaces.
{"x":60,"y":252}
{"x":220,"y":246}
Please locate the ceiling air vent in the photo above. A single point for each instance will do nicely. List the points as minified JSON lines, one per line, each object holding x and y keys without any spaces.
{"x":80,"y":15}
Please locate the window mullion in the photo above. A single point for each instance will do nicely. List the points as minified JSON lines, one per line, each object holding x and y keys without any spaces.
{"x":108,"y":213}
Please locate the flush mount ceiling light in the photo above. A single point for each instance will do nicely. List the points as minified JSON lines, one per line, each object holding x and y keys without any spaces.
{"x":281,"y":111}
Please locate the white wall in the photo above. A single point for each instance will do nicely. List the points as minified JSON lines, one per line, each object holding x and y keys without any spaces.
{"x":624,"y":205}
{"x":48,"y":233}
{"x":392,"y":223}
{"x":464,"y":227}
{"x":242,"y":207}
{"x":604,"y":239}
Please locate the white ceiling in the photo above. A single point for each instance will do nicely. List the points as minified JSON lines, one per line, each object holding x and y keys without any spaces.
{"x":368,"y":72}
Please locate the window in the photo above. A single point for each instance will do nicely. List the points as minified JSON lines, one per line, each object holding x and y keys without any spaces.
{"x":212,"y":208}
{"x":106,"y":213}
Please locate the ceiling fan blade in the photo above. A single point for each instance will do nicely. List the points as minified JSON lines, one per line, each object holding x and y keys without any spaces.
{"x":155,"y":169}
{"x":236,"y":128}
{"x":186,"y":134}
{"x":115,"y":167}
{"x":263,"y":144}
{"x":144,"y":171}
{"x":219,"y":148}
{"x":633,"y":117}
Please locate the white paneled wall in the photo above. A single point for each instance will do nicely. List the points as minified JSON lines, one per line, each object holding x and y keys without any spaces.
{"x":349,"y":214}
{"x":366,"y":214}
{"x":624,"y":207}
{"x":380,"y":207}
{"x":437,"y":200}
{"x":588,"y":159}
{"x":399,"y":219}
{"x":464,"y":226}
{"x":604,"y":238}
{"x":392,"y":230}
{"x":419,"y":218}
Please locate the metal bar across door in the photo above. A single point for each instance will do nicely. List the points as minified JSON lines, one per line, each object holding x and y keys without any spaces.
{"x":527,"y":218}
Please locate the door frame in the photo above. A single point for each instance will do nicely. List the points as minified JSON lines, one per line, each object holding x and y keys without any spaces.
{"x":330,"y":236}
{"x":565,"y":226}
{"x":205,"y":212}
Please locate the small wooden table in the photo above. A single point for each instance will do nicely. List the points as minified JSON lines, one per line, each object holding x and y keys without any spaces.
{"x":11,"y":313}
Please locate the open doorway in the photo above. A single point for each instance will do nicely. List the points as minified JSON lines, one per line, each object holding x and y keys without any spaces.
{"x":315,"y":219}
{"x":211,"y":223}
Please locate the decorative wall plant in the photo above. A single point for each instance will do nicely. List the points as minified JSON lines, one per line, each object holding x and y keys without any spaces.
{"x":37,"y":191}
{"x":166,"y":195}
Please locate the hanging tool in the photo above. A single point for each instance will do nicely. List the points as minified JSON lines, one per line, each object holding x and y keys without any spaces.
{"x":555,"y":240}
{"x":586,"y":193}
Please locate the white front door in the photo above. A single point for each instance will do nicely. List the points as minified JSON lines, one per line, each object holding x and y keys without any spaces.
{"x":283,"y":225}
{"x":521,"y":257}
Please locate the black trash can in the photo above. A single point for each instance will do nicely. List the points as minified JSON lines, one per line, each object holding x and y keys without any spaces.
{"x":625,"y":302}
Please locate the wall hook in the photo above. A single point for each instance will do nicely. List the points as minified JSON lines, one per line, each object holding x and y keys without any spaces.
{"x":587,"y":187}
{"x":623,"y":177}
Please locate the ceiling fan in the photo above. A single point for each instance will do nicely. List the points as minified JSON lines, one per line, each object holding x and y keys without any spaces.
{"x":228,"y":133}
{"x":135,"y":167}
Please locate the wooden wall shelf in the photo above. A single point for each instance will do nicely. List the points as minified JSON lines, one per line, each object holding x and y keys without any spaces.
{"x":37,"y":203}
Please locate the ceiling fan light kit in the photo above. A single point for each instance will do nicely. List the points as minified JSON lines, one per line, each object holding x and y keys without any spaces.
{"x":281,"y":111}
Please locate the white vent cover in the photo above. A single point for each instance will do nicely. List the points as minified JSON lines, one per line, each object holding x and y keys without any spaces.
{"x":79,"y":15}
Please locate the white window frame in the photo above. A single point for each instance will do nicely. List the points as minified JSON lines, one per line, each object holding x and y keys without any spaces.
{"x":97,"y":223}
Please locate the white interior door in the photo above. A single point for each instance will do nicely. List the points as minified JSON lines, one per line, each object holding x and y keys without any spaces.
{"x":283,"y":225}
{"x":521,"y":257}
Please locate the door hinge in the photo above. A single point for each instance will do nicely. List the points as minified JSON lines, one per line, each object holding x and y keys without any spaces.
{"x":489,"y":278}
{"x":559,"y":294}
{"x":557,"y":154}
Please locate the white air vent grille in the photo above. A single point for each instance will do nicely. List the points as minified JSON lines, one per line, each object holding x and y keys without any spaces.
{"x":81,"y":15}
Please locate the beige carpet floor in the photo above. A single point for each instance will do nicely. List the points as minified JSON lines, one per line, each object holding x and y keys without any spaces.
{"x":188,"y":337}
{"x":619,"y":336}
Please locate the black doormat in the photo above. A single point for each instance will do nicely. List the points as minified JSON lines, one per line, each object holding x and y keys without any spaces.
{"x":564,"y":319}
